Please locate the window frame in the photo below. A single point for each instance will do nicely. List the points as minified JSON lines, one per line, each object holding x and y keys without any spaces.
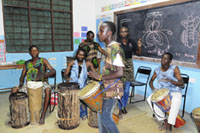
{"x":29,"y":8}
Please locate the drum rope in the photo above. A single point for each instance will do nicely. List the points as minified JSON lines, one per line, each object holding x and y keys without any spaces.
{"x":106,"y":88}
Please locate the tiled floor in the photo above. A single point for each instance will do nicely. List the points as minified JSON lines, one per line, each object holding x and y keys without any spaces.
{"x":138,"y":120}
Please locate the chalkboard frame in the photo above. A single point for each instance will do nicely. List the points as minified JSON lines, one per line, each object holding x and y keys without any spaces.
{"x":157,"y":5}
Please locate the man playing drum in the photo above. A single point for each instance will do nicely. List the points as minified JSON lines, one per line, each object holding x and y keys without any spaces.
{"x":112,"y":73}
{"x":78,"y":70}
{"x":35,"y":70}
{"x":168,"y":76}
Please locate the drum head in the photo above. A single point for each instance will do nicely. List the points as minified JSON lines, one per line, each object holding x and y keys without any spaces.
{"x":159,"y":95}
{"x":196,"y":113}
{"x":62,"y":87}
{"x":89,"y":89}
{"x":18,"y":95}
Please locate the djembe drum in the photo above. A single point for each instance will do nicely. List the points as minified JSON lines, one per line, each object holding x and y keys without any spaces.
{"x":19,"y":109}
{"x":195,"y":115}
{"x":35,"y":100}
{"x":88,"y":93}
{"x":162,"y":99}
{"x":68,"y":105}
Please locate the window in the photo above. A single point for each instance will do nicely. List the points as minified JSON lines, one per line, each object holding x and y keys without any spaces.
{"x":46,"y":23}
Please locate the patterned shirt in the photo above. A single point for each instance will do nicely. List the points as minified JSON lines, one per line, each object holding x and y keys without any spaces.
{"x":91,"y":49}
{"x":169,"y":74}
{"x":115,"y":58}
{"x":32,"y":70}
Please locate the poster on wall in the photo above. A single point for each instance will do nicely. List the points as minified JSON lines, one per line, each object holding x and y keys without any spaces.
{"x":2,"y":50}
{"x":99,"y":21}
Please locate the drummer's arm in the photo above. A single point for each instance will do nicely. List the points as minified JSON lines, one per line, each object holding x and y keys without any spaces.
{"x":51,"y":72}
{"x":23,"y":74}
{"x":119,"y":72}
{"x":178,"y":77}
{"x":90,"y":66}
{"x":68,"y":69}
{"x":151,"y":81}
{"x":116,"y":74}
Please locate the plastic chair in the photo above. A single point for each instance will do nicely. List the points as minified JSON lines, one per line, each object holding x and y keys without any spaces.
{"x":142,"y":71}
{"x":185,"y":78}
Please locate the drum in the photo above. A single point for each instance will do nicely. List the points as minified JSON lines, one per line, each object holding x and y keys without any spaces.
{"x":35,"y":100}
{"x":68,"y":105}
{"x":93,"y":119}
{"x":195,"y":115}
{"x":19,"y":109}
{"x":88,"y":93}
{"x":162,"y":99}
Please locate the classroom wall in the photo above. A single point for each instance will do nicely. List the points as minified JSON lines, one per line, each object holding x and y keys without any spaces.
{"x":85,"y":14}
{"x":108,"y":7}
{"x":81,"y":9}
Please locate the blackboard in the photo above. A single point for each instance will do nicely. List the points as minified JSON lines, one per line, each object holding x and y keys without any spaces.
{"x":171,"y":28}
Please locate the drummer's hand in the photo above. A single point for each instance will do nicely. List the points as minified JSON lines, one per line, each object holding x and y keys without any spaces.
{"x":20,"y":85}
{"x":94,"y":75}
{"x":168,"y":80}
{"x":165,"y":80}
{"x":68,"y":79}
{"x":39,"y":76}
{"x":154,"y":90}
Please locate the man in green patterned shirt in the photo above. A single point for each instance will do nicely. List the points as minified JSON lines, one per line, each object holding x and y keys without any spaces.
{"x":35,"y":70}
{"x":112,"y":76}
{"x":91,"y":49}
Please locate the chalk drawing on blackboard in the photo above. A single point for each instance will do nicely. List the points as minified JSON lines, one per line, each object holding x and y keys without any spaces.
{"x":124,"y":21}
{"x":189,"y":36}
{"x":155,"y":37}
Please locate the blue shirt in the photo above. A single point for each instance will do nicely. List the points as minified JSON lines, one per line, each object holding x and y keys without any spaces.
{"x":169,"y":74}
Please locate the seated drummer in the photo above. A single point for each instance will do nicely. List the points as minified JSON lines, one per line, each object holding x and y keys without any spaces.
{"x":168,"y":76}
{"x":35,"y":70}
{"x":78,"y":70}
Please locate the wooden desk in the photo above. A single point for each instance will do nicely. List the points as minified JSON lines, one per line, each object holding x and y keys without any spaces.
{"x":4,"y":67}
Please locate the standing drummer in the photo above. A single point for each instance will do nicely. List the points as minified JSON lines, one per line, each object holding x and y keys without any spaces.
{"x":113,"y":70}
{"x":168,"y":76}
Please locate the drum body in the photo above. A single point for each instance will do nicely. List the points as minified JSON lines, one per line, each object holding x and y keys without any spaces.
{"x":68,"y":105}
{"x":19,"y":109}
{"x":195,"y":115}
{"x":89,"y":96}
{"x":35,"y":100}
{"x":93,"y":119}
{"x":162,"y":99}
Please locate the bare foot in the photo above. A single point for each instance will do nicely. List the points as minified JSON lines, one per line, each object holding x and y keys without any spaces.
{"x":169,"y":128}
{"x":41,"y":121}
{"x":163,"y":126}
